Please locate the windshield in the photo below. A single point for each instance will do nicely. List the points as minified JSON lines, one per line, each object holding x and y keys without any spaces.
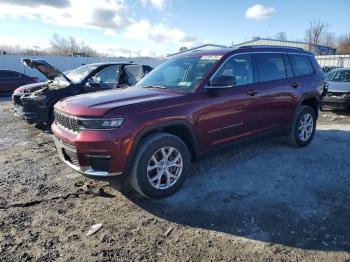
{"x":339,"y":76}
{"x":78,"y":74}
{"x":183,"y":73}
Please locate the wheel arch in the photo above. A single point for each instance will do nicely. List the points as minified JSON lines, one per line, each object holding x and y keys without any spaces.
{"x":313,"y":102}
{"x":180,"y":128}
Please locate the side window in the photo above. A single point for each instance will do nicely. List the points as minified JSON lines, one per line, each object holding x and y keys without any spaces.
{"x":270,"y":67}
{"x":301,"y":65}
{"x":239,"y":67}
{"x":108,"y":77}
{"x":134,"y":73}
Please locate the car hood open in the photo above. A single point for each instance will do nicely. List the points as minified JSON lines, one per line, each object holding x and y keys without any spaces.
{"x":45,"y":68}
{"x":99,"y":103}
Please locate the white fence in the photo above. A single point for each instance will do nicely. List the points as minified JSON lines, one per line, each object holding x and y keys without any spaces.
{"x":334,"y":60}
{"x":64,"y":63}
{"x":13,"y":62}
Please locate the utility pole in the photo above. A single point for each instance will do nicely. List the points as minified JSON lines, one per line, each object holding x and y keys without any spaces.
{"x":36,"y":49}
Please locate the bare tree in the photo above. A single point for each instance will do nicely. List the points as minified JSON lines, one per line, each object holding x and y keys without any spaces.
{"x":314,"y":32}
{"x":344,"y":44}
{"x":69,"y":46}
{"x":329,"y":39}
{"x":281,"y":36}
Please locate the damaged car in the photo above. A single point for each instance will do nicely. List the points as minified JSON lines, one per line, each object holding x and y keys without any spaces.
{"x":338,"y":89}
{"x":35,"y":102}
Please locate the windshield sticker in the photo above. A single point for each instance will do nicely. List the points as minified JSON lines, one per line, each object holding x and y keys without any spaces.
{"x":211,"y":57}
{"x":187,"y":84}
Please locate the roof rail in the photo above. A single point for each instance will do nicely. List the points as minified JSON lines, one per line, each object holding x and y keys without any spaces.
{"x":269,"y":46}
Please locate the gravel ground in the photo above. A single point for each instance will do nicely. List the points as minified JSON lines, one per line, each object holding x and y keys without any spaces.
{"x":265,"y":202}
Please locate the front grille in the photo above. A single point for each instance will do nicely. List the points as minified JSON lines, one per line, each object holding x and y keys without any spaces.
{"x":67,"y":121}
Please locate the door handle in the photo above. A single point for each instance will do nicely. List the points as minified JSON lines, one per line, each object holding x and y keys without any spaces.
{"x":295,"y":84}
{"x":252,"y":92}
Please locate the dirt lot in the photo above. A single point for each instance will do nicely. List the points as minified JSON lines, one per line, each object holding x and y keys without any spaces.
{"x":265,"y":202}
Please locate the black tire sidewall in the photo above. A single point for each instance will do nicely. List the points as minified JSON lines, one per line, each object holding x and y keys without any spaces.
{"x":302,"y":111}
{"x":141,"y":173}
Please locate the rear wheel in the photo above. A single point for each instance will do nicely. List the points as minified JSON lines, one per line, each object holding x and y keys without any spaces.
{"x":161,"y":165}
{"x":303,"y":127}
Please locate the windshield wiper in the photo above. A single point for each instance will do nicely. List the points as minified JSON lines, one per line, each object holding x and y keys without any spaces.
{"x":154,"y":86}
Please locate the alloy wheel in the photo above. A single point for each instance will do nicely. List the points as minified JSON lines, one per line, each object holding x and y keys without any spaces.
{"x":306,"y":127}
{"x":164,"y":167}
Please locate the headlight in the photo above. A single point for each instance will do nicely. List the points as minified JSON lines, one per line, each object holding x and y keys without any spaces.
{"x":100,"y":123}
{"x":39,"y":97}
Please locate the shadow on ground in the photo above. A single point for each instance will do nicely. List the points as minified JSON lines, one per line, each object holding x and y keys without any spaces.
{"x":270,"y":192}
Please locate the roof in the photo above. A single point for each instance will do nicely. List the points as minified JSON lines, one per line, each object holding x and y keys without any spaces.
{"x":198,"y":48}
{"x":253,"y":48}
{"x":277,"y":40}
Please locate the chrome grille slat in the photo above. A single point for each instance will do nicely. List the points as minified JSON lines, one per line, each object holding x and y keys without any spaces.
{"x":66,"y":121}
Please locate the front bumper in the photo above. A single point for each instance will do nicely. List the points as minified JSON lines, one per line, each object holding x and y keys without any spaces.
{"x":96,"y":154}
{"x":34,"y":111}
{"x":17,"y":105}
{"x":69,"y":156}
{"x":336,"y":102}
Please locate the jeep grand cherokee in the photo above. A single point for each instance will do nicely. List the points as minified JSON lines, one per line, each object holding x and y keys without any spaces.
{"x":189,"y":106}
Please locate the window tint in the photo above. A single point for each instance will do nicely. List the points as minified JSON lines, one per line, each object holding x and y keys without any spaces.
{"x":240,"y":67}
{"x":108,"y":77}
{"x":301,"y":65}
{"x":134,"y":73}
{"x":270,"y":67}
{"x":181,"y":73}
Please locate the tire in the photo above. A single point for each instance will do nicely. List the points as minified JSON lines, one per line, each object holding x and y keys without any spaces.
{"x":306,"y":115}
{"x":154,"y":183}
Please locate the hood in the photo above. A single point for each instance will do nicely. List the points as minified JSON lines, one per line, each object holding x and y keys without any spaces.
{"x":338,"y":86}
{"x":99,"y":103}
{"x":29,"y":88}
{"x":45,"y":68}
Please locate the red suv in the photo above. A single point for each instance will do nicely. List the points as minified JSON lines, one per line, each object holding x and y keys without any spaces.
{"x":189,"y":106}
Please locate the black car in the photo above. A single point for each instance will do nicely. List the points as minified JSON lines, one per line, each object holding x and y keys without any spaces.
{"x":10,"y":80}
{"x":35,"y":102}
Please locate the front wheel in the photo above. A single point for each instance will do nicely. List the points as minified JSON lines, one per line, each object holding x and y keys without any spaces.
{"x":161,"y":165}
{"x":303,"y":127}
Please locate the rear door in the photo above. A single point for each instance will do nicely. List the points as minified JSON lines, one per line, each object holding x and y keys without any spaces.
{"x":277,"y":97}
{"x":304,"y":73}
{"x":133,"y":73}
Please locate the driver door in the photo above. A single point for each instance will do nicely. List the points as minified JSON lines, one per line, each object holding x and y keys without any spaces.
{"x":108,"y":78}
{"x":231,"y":111}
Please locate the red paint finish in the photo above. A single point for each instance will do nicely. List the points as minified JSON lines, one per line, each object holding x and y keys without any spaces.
{"x":213,"y":117}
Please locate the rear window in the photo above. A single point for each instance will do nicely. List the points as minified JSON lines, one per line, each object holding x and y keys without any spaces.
{"x":301,"y":65}
{"x":270,"y":67}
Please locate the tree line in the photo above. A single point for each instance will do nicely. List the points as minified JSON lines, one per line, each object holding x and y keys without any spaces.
{"x":59,"y":45}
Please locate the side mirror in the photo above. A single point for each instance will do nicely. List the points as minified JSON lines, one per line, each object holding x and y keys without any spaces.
{"x":91,"y":84}
{"x":222,"y":82}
